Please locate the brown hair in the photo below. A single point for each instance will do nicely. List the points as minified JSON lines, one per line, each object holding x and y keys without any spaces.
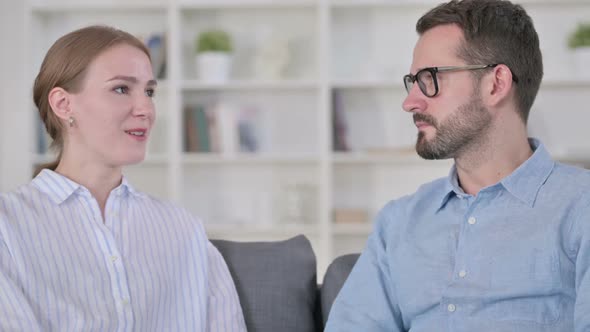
{"x":495,"y":31}
{"x":65,"y":66}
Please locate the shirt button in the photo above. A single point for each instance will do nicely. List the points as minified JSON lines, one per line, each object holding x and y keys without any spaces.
{"x":124,"y":302}
{"x":462,"y":273}
{"x":114,"y":258}
{"x":471,"y":221}
{"x":451,"y":308}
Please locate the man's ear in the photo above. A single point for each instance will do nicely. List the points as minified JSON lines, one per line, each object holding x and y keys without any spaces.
{"x":59,"y":100}
{"x":499,"y":86}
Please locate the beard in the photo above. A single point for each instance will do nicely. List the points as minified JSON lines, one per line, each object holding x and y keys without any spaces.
{"x":461,"y":130}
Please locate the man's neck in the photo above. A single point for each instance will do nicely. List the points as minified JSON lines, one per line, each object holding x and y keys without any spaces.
{"x":488,"y":165}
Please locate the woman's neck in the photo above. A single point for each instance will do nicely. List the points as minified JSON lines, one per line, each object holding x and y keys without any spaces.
{"x":99,"y":180}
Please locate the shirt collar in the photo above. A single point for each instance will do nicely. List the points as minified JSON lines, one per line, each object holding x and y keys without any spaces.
{"x":524,"y":183}
{"x":451,"y":187}
{"x":59,"y":188}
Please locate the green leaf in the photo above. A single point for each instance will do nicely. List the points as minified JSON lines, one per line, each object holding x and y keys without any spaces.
{"x":213,"y":41}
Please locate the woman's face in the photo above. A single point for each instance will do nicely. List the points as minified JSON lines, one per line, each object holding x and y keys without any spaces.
{"x":114,"y":111}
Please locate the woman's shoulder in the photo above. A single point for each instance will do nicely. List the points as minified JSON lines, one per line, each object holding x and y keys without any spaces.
{"x":19,"y":196}
{"x":173,"y":211}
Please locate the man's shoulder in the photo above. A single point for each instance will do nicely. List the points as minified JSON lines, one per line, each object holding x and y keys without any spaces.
{"x":571,"y":172}
{"x":426,"y":197}
{"x":569,"y":180}
{"x":434,"y":190}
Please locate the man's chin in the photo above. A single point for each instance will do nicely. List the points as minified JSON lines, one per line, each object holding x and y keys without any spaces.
{"x":426,"y":151}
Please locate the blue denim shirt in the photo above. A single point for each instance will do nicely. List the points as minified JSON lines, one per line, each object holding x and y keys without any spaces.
{"x":515,"y":257}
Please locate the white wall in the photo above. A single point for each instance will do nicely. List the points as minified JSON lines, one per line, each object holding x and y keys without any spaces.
{"x":14,"y":97}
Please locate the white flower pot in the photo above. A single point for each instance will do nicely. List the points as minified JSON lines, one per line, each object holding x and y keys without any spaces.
{"x":582,"y":62}
{"x":213,"y":67}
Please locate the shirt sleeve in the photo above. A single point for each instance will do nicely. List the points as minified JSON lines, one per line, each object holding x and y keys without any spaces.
{"x":367,"y":301}
{"x":224,"y":312}
{"x":582,"y":305}
{"x":15,"y":310}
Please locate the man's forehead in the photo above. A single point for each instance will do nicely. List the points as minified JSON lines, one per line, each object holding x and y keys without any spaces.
{"x":437,"y":47}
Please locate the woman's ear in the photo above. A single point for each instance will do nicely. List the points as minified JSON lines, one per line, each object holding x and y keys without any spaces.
{"x":59,"y":100}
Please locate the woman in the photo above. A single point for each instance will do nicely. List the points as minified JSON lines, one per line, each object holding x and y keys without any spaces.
{"x":80,"y":248}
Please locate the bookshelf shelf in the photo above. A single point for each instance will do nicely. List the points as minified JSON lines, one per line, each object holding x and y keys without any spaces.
{"x":382,"y":157}
{"x":578,"y":157}
{"x":346,"y":57}
{"x":241,"y":159}
{"x":427,"y":4}
{"x":248,"y":4}
{"x":360,"y":227}
{"x":257,"y":229}
{"x":382,"y":3}
{"x":368,"y":84}
{"x":554,"y":83}
{"x":106,"y":6}
{"x":195,"y":85}
{"x":150,"y":160}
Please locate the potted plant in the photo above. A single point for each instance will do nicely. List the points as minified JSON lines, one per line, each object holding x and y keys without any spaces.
{"x":579,"y":42}
{"x":213,"y":56}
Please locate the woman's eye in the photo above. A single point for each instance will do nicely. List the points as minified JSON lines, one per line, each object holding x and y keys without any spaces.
{"x":121,"y":90}
{"x":150,"y":92}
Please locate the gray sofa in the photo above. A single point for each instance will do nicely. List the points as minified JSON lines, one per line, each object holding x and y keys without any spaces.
{"x":276,"y":282}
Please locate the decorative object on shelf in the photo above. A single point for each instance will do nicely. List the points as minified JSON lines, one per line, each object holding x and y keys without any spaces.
{"x":297,"y":202}
{"x":351,"y":215}
{"x":271,"y":56}
{"x":339,"y":125}
{"x":213,"y":56}
{"x":156,"y":43}
{"x":579,"y":42}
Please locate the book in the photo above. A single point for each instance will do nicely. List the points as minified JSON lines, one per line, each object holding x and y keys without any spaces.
{"x":227,"y":128}
{"x":247,"y":130}
{"x":339,"y":126}
{"x":156,"y":44}
{"x":220,"y":127}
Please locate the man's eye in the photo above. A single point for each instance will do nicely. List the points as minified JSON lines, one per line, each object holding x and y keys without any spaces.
{"x":121,"y":90}
{"x":150,"y":92}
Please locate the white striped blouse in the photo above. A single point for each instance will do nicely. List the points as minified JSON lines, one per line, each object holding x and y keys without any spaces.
{"x":148,"y":266}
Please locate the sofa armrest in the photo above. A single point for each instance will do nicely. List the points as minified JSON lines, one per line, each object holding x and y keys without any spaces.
{"x":334,"y":279}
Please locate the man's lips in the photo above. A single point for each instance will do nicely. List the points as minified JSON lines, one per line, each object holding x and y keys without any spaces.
{"x":423,"y":121}
{"x":423,"y":124}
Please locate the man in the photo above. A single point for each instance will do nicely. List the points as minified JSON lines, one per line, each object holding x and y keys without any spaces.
{"x":502,"y":243}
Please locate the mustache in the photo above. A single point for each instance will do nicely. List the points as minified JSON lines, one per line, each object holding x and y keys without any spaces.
{"x":425,"y":118}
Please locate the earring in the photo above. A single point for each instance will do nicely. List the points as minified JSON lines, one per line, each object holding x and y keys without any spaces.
{"x":71,"y":121}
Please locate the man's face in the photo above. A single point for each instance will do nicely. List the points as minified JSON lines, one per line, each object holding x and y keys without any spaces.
{"x":455,"y":118}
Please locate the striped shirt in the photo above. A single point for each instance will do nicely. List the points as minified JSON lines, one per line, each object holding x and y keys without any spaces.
{"x":147,"y":266}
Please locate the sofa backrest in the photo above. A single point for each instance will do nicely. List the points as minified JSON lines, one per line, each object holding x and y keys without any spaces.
{"x":276,"y":283}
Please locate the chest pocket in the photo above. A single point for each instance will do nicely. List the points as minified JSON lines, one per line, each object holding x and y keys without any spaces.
{"x":528,"y":286}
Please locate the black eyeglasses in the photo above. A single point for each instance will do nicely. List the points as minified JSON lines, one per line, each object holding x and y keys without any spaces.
{"x":428,"y":82}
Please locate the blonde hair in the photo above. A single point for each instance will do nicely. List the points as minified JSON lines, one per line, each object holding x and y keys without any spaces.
{"x":65,"y":66}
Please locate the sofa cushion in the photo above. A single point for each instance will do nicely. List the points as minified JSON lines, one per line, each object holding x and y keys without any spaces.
{"x":276,"y":283}
{"x":334,"y":279}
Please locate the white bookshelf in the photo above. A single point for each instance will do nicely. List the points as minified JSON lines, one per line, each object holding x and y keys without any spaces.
{"x":359,"y":48}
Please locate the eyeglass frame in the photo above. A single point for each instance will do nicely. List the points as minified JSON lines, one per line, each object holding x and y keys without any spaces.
{"x":434,"y":70}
